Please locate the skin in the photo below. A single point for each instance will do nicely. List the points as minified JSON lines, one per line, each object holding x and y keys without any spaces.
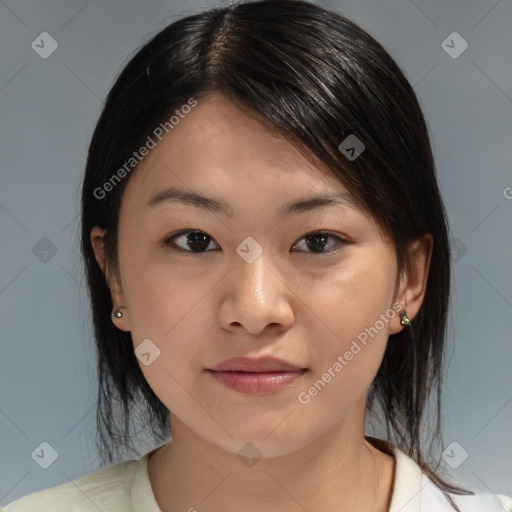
{"x":303,"y":306}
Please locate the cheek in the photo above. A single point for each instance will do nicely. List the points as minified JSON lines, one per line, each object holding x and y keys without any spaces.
{"x":173,"y":313}
{"x":350,"y":311}
{"x":353,"y":296}
{"x":166,"y":310}
{"x":178,"y":339}
{"x":160,"y":296}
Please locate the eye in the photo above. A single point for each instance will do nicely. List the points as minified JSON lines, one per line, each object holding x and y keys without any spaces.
{"x":318,"y":240}
{"x":197,"y":241}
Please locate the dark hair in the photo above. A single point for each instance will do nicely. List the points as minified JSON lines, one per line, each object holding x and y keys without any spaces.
{"x":315,"y":78}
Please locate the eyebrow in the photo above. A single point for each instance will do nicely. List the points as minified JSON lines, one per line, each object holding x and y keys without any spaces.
{"x":218,"y":206}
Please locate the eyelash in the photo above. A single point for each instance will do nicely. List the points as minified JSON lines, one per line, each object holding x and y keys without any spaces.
{"x":169,"y":241}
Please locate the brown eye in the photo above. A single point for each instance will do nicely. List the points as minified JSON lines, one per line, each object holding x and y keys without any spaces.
{"x":192,"y":241}
{"x":318,"y":241}
{"x":196,"y":242}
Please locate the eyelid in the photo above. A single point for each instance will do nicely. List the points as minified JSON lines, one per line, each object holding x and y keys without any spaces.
{"x":341,"y":240}
{"x":168,"y":241}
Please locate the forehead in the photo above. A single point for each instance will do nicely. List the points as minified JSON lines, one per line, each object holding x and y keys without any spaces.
{"x":225,"y":132}
{"x":218,"y":149}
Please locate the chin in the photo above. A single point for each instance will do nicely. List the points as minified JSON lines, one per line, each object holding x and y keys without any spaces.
{"x":260,"y":441}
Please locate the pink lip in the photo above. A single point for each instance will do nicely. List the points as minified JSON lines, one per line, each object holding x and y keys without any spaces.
{"x":260,"y":364}
{"x":256,"y":376}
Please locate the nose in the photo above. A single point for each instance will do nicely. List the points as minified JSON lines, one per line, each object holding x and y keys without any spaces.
{"x":256,"y":297}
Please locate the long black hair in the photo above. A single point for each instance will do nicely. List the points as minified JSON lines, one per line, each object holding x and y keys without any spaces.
{"x":316,"y":78}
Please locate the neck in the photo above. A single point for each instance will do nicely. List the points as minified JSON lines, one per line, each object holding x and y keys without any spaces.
{"x":339,"y":470}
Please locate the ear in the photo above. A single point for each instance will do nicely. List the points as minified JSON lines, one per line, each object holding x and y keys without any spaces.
{"x":111,"y":276}
{"x":413,"y":283}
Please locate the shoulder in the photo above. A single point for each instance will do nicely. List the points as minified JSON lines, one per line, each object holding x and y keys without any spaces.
{"x":434,"y":499}
{"x":414,"y":491}
{"x":485,"y":502}
{"x":106,"y":489}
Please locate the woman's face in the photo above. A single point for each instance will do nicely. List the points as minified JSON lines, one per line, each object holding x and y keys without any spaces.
{"x":251,"y":283}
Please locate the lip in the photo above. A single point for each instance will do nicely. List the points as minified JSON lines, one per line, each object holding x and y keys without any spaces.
{"x":256,"y":376}
{"x":260,"y":364}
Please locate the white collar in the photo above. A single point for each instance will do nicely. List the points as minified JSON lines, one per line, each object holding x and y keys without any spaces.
{"x":407,"y":487}
{"x":413,"y":491}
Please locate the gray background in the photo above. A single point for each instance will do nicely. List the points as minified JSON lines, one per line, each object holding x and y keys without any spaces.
{"x":48,"y":111}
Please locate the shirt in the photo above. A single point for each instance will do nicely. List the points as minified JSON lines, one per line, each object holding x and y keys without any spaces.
{"x":125,"y":487}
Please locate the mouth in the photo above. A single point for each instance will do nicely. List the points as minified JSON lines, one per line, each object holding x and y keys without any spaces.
{"x":256,"y":376}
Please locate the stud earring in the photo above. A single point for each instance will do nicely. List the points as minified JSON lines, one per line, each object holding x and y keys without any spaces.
{"x":404,"y":319}
{"x":116,"y":313}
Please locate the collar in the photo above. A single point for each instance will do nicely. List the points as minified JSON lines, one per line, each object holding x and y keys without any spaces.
{"x":408,"y":478}
{"x":409,"y":482}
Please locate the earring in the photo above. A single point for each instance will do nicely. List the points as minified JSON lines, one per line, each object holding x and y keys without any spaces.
{"x":404,"y":319}
{"x":116,"y":313}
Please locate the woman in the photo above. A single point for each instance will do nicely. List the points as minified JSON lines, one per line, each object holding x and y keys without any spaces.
{"x":267,"y":258}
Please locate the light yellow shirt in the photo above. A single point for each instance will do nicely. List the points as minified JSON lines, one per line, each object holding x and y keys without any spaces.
{"x":125,"y":487}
